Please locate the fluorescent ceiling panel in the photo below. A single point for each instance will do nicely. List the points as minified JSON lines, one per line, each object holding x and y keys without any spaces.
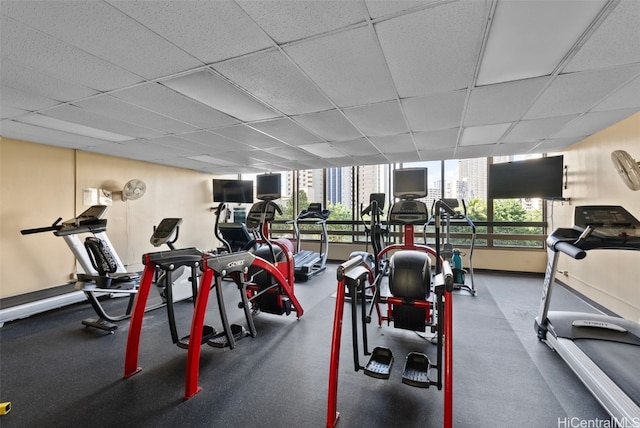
{"x":160,"y":99}
{"x":215,"y":92}
{"x":73,"y":128}
{"x":38,"y":134}
{"x":479,"y":135}
{"x":530,"y":38}
{"x":323,"y":150}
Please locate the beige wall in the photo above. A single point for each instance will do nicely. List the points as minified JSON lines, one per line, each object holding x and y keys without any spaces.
{"x":611,"y":278}
{"x":41,"y":183}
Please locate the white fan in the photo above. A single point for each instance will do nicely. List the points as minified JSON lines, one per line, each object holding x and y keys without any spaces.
{"x":134,"y":189}
{"x":627,"y":167}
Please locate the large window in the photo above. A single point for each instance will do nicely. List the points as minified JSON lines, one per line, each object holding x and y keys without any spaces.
{"x":346,"y":191}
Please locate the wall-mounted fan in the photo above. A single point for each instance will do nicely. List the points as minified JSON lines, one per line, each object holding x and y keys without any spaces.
{"x":627,"y":167}
{"x":133,"y":189}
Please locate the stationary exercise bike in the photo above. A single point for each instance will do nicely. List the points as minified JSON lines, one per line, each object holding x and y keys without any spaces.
{"x":408,"y":301}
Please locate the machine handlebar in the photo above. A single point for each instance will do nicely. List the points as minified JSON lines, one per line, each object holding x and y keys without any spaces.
{"x":566,"y":248}
{"x":51,"y":228}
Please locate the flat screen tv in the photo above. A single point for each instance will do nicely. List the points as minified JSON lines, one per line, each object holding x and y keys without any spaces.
{"x":237,"y":191}
{"x":268,"y":187}
{"x":531,"y":178}
{"x":410,"y":183}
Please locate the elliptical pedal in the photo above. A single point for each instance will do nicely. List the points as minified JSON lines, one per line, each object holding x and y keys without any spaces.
{"x":220,"y":340}
{"x":207,"y":333}
{"x":416,"y":370}
{"x":380,"y":363}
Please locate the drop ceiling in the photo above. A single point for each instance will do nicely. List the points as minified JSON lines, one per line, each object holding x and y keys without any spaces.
{"x":253,"y":86}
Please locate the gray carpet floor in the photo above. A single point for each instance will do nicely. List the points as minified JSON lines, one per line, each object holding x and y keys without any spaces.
{"x":56,"y":373}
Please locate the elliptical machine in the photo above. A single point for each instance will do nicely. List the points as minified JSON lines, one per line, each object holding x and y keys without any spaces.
{"x":449,"y":211}
{"x":408,"y":301}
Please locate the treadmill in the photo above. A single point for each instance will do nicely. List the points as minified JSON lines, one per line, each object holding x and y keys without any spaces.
{"x":309,"y":263}
{"x":603,"y":351}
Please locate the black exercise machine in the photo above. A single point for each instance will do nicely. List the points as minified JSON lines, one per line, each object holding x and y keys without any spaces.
{"x":309,"y":263}
{"x":603,"y":351}
{"x":449,"y":253}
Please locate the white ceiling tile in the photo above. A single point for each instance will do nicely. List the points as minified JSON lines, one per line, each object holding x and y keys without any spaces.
{"x":248,"y":136}
{"x":358,"y":147}
{"x":401,"y":143}
{"x":215,"y":92}
{"x":291,"y":153}
{"x":615,"y":42}
{"x":182,"y":144}
{"x":437,"y":111}
{"x":557,"y":144}
{"x":626,"y":97}
{"x":591,"y":123}
{"x":193,"y":25}
{"x":536,"y":129}
{"x":502,"y":102}
{"x":375,"y":159}
{"x":160,"y":99}
{"x":402,"y":156}
{"x":577,"y":92}
{"x":114,"y":108}
{"x":22,"y":100}
{"x":480,"y":135}
{"x":520,"y":47}
{"x":87,"y":118}
{"x":26,"y":79}
{"x":330,"y":125}
{"x":101,"y":29}
{"x":433,"y":50}
{"x":9,"y":112}
{"x":470,"y":152}
{"x":378,"y":119}
{"x":292,"y":20}
{"x":274,"y":79}
{"x":347,"y":66}
{"x":33,"y":49}
{"x":436,"y":139}
{"x":379,"y":8}
{"x":211,"y":140}
{"x":286,"y":130}
{"x":49,"y":122}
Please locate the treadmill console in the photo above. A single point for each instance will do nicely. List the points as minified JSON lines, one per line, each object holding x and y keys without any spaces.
{"x":609,"y":221}
{"x":409,"y":212}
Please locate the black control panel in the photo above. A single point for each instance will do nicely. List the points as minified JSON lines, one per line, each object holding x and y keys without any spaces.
{"x":607,"y":220}
{"x":409,"y":212}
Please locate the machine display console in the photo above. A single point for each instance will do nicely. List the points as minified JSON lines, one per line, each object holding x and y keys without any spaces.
{"x":409,"y":212}
{"x":607,"y":220}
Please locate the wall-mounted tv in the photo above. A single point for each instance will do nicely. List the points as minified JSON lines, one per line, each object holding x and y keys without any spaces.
{"x":531,"y":178}
{"x":410,"y":183}
{"x":236,"y":191}
{"x":268,"y":187}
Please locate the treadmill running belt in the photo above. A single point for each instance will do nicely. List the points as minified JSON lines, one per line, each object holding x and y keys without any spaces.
{"x":620,"y":361}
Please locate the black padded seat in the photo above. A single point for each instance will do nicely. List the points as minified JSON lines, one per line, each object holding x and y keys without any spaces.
{"x":410,"y":275}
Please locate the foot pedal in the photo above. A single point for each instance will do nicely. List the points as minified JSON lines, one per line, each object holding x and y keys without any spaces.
{"x":101,"y":324}
{"x":220,"y":340}
{"x":207,"y":333}
{"x":379,"y":365}
{"x":416,"y":370}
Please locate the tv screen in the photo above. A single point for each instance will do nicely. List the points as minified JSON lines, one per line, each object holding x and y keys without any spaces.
{"x":239,"y":191}
{"x":532,"y":178}
{"x":410,"y":183}
{"x":268,"y":187}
